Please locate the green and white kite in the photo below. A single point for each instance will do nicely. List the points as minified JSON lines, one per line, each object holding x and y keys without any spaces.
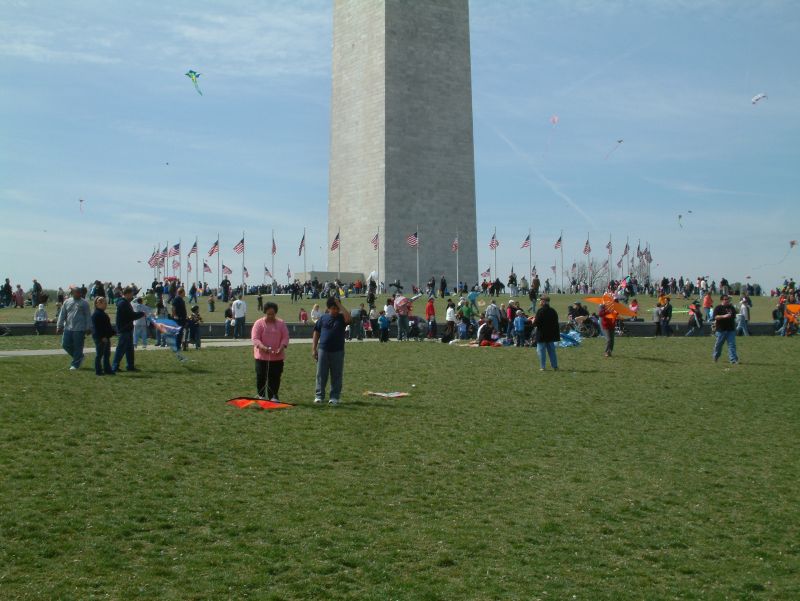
{"x":193,"y":75}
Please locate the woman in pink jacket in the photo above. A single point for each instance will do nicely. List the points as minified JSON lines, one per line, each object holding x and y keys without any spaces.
{"x":270,"y":338}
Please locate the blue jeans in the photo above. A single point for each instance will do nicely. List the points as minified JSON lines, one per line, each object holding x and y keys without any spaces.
{"x":728,"y":336}
{"x":666,"y":329}
{"x":72,"y":342}
{"x":140,"y":333}
{"x":402,"y":327}
{"x":124,"y":347}
{"x":102,"y":358}
{"x":550,"y":349}
{"x":238,"y":327}
{"x":333,"y":363}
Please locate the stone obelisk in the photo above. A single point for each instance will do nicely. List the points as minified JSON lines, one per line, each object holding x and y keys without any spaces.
{"x":402,"y":159}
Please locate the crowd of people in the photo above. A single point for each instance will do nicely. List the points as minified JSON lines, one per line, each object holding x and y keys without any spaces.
{"x":472,"y":315}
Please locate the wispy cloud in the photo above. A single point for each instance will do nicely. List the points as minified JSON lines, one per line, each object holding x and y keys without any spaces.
{"x":554,"y":187}
{"x":694,"y":188}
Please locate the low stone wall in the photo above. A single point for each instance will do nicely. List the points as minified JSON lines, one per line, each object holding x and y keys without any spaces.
{"x":299,"y":330}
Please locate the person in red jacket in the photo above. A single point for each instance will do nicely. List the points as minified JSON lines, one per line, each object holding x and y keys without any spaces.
{"x":430,"y":317}
{"x":608,"y":321}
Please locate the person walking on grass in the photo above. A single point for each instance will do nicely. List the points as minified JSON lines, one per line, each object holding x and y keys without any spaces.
{"x":328,"y":350}
{"x":270,"y":338}
{"x":125,"y":318}
{"x":239,"y":309}
{"x":724,"y":320}
{"x":102,"y":333}
{"x":608,"y":323}
{"x":547,"y":333}
{"x":75,"y":320}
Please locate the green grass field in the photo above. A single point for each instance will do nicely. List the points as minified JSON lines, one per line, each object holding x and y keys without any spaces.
{"x":653,"y":475}
{"x":762,"y":307}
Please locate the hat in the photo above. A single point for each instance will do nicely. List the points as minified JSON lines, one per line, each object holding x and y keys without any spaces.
{"x":519,"y":312}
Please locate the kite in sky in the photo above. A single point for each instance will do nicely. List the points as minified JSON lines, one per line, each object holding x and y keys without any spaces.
{"x":617,"y":145}
{"x":80,"y":204}
{"x":554,"y":120}
{"x":758,"y":97}
{"x":792,"y":244}
{"x":193,"y":75}
{"x":680,"y":223}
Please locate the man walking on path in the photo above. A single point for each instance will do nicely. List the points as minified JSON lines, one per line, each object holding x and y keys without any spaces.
{"x":75,"y":320}
{"x":125,"y":318}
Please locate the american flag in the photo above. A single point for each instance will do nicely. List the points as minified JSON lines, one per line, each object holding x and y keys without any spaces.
{"x":175,"y":250}
{"x":288,"y":273}
{"x":553,"y":267}
{"x":193,"y":250}
{"x":626,"y":251}
{"x":533,"y":272}
{"x":226,"y":270}
{"x":239,"y":248}
{"x":558,"y":243}
{"x":494,"y":243}
{"x":412,"y":239}
{"x":454,"y":245}
{"x":214,"y":249}
{"x":609,"y":247}
{"x":162,"y":254}
{"x":176,"y":264}
{"x":526,"y":243}
{"x":605,"y":264}
{"x":487,"y":273}
{"x":274,"y":247}
{"x":586,"y":248}
{"x":574,"y":267}
{"x":267,"y":272}
{"x":188,"y":268}
{"x":206,"y":268}
{"x":647,"y":256}
{"x":302,"y":245}
{"x":374,"y":241}
{"x":245,"y":272}
{"x":619,"y":263}
{"x":335,"y":243}
{"x":639,"y":251}
{"x":153,"y":260}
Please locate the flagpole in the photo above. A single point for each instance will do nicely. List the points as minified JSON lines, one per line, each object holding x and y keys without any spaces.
{"x":530,"y":254}
{"x":339,"y":256}
{"x":610,"y":267}
{"x":458,"y":249}
{"x":196,"y":259}
{"x":219,"y":280}
{"x":589,"y":266}
{"x":304,"y":254}
{"x":494,"y":250}
{"x":378,"y":271}
{"x":272,"y":271}
{"x":418,"y":256}
{"x":561,"y":237}
{"x":180,"y":264}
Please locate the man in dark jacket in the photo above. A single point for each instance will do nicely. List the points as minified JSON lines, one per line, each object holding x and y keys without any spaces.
{"x":125,"y":318}
{"x":547,"y":333}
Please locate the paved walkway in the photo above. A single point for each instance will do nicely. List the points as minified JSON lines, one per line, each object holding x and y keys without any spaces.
{"x":89,"y":349}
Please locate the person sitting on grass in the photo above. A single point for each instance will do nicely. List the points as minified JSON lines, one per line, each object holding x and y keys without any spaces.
{"x":40,"y":320}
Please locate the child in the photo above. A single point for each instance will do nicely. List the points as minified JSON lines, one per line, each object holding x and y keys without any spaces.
{"x":383,"y":324}
{"x":140,"y":325}
{"x":519,"y":327}
{"x":161,"y":312}
{"x":303,"y":316}
{"x":194,"y":322}
{"x":102,"y":333}
{"x":40,"y":319}
{"x":228,"y":321}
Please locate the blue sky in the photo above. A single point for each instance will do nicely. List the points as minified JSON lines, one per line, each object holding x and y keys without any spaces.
{"x":94,"y":103}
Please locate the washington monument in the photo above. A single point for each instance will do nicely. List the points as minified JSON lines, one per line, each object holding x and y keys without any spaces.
{"x":402,"y":157}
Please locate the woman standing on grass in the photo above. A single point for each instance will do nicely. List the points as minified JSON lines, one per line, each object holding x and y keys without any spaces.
{"x":270,"y":338}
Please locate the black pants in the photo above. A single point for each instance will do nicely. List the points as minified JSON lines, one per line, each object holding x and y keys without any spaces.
{"x":609,"y":339}
{"x":268,"y":378}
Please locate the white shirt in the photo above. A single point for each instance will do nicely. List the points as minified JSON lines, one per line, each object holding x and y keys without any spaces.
{"x":239,"y":308}
{"x":450,"y":314}
{"x":390,"y":312}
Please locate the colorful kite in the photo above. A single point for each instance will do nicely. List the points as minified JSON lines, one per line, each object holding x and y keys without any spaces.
{"x":193,"y":75}
{"x":611,"y":304}
{"x":244,"y":402}
{"x":758,"y":98}
{"x":170,"y":330}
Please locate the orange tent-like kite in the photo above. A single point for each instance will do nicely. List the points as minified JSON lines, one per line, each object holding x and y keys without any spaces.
{"x":243,"y":402}
{"x":620,"y":309}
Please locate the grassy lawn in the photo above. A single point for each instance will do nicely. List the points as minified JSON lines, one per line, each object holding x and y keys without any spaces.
{"x":654,"y":475}
{"x":762,"y":307}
